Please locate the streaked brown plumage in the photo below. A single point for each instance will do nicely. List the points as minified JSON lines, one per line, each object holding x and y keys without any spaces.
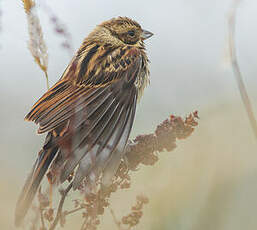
{"x":89,"y":112}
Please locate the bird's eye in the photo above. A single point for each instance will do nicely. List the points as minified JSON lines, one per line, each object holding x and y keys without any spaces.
{"x":131,"y":33}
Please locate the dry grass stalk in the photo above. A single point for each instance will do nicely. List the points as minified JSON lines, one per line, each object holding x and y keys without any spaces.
{"x":36,"y":42}
{"x":235,"y":66}
{"x":59,"y":28}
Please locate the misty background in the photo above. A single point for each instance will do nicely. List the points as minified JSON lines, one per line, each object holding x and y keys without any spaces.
{"x":210,"y":180}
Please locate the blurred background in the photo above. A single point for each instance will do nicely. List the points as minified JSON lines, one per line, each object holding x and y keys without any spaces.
{"x":209,"y":181}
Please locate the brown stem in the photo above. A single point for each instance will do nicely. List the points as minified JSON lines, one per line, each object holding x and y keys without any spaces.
{"x":59,"y":211}
{"x":72,"y":211}
{"x":47,"y":80}
{"x":84,"y":223}
{"x":42,"y":219}
{"x":118,"y":223}
{"x":236,"y":69}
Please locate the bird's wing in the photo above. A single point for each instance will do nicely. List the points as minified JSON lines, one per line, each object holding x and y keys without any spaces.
{"x":93,"y":117}
{"x":118,"y":68}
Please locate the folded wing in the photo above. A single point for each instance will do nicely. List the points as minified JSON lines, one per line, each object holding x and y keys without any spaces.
{"x":91,"y":122}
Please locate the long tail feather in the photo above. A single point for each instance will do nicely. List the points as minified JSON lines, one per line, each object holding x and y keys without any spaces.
{"x":32,"y":183}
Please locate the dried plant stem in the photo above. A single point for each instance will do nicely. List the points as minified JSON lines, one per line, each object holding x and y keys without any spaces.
{"x":118,"y":223}
{"x":36,"y":44}
{"x":83,"y":224}
{"x":235,"y":66}
{"x":42,"y":219}
{"x":59,"y":211}
{"x":47,"y":80}
{"x":74,"y":210}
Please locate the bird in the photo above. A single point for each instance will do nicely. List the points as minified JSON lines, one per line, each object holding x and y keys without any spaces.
{"x":88,"y":114}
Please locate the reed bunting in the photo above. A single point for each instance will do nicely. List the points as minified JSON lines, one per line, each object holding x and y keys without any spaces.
{"x":89,"y":112}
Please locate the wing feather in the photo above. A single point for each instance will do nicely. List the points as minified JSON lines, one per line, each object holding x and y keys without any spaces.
{"x":50,"y":98}
{"x":89,"y":138}
{"x":110,"y":163}
{"x":114,"y":138}
{"x":83,"y":104}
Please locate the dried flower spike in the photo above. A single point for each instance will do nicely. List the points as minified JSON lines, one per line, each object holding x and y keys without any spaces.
{"x":36,"y":42}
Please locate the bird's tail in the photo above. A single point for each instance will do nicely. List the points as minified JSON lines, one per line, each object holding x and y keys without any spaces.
{"x":32,"y":183}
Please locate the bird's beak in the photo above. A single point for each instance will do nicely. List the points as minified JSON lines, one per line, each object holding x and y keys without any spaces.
{"x":146,"y":34}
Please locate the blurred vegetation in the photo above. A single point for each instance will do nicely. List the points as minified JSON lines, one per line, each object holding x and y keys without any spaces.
{"x":208,"y":182}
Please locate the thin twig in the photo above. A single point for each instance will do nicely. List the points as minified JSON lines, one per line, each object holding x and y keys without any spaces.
{"x":235,"y":66}
{"x":118,"y":223}
{"x":59,"y":211}
{"x":72,"y":211}
{"x":84,"y":223}
{"x":47,"y":79}
{"x":42,"y":219}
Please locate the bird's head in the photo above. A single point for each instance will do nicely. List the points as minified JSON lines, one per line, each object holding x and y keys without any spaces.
{"x":119,"y":32}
